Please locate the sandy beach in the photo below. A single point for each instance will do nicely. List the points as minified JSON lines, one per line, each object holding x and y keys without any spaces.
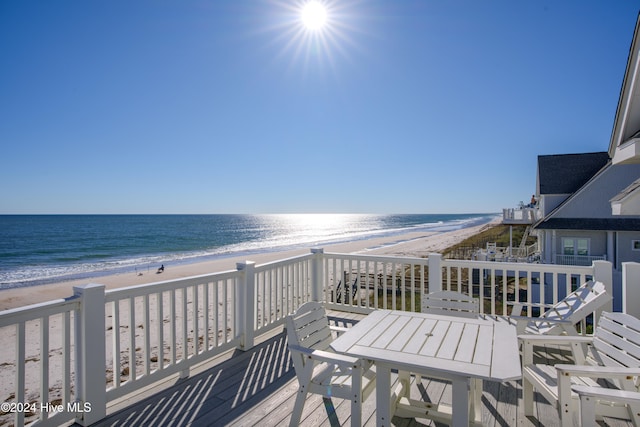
{"x":416,"y":244}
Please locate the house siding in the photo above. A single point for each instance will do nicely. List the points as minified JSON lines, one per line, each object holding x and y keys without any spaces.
{"x":624,"y":248}
{"x":551,"y":201}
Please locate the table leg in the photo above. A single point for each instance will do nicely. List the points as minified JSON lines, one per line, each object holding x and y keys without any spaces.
{"x":460,"y":399}
{"x":383,"y":395}
{"x":476,"y":401}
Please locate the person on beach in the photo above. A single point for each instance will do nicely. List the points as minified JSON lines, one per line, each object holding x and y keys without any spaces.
{"x":161,"y":269}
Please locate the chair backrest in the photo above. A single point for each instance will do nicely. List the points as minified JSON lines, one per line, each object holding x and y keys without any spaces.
{"x":451,"y":303}
{"x":616,"y":343}
{"x":308,"y":327}
{"x":616,"y":340}
{"x":579,"y":303}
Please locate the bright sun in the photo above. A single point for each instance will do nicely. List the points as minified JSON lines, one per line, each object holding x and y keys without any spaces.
{"x":314,"y":15}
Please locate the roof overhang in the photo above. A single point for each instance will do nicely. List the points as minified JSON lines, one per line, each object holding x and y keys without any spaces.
{"x":624,"y":146}
{"x":627,"y":202}
{"x":628,"y":153}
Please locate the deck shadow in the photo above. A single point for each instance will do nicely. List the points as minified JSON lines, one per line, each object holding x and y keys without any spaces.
{"x":218,"y":395}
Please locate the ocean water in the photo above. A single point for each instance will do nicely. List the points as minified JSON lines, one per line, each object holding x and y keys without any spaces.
{"x":38,"y":249}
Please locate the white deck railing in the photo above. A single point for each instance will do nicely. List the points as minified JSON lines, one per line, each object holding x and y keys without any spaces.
{"x":523,"y":215}
{"x":52,"y":355}
{"x":139,"y":335}
{"x":578,"y":259}
{"x":157,"y":330}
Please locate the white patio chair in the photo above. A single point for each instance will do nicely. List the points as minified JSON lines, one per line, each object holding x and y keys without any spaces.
{"x":319,"y":369}
{"x":613,"y":356}
{"x":589,"y":397}
{"x":561,"y":318}
{"x":451,"y":303}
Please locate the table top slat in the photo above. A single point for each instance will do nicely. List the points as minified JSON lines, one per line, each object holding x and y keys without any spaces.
{"x":481,"y":347}
{"x":431,"y":343}
{"x":469,"y":343}
{"x":406,"y":336}
{"x":391,"y":332}
{"x":451,"y":340}
{"x":485,"y":337}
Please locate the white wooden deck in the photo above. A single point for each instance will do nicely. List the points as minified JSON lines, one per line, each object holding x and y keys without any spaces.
{"x":258,"y":387}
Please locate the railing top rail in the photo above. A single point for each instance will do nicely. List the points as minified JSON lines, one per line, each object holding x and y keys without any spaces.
{"x":498,"y":265}
{"x":281,"y":262}
{"x":379,"y":258}
{"x":152,"y":288}
{"x":37,"y":311}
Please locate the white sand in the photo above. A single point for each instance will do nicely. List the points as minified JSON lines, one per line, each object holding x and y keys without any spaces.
{"x":415,"y":244}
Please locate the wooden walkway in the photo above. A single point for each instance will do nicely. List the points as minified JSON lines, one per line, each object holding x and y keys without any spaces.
{"x":258,"y":387}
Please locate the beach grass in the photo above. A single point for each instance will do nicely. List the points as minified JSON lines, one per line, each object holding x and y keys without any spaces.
{"x":498,"y":234}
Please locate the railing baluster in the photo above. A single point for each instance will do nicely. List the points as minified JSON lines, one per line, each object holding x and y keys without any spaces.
{"x":44,"y":364}
{"x":225,"y":307}
{"x":20,"y":370}
{"x":116,"y":343}
{"x":66,"y":358}
{"x":172,"y":323}
{"x":132,"y":339}
{"x":185,"y":328}
{"x":146,"y":354}
{"x":504,"y":292}
{"x":160,"y":329}
{"x":205,"y":315}
{"x":195,"y":307}
{"x":493,"y":291}
{"x":216,"y":313}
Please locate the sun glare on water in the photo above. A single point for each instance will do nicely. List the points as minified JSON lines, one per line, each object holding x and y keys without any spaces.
{"x":314,"y":15}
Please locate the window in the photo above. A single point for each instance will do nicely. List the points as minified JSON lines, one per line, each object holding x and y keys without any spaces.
{"x":576,"y":246}
{"x":635,"y":245}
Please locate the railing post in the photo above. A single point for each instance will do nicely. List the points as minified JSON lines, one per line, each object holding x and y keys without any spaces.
{"x":435,"y":272}
{"x":91,"y":395}
{"x":316,"y":274}
{"x":630,"y":290}
{"x":603,"y":272}
{"x":245,"y":304}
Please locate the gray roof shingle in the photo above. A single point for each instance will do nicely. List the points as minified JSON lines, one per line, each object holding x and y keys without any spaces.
{"x":566,"y":173}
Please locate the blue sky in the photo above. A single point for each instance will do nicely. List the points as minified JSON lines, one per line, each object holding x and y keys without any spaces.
{"x":422,"y":106}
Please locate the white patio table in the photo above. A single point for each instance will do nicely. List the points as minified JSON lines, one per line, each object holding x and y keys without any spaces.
{"x":457,"y":349}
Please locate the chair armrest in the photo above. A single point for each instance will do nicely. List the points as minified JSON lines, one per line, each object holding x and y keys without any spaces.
{"x":576,"y":344}
{"x":608,"y":393}
{"x":555,"y":339}
{"x":518,"y":306}
{"x":338,"y":329}
{"x":539,"y":319}
{"x":597,"y":371}
{"x":327,"y":356}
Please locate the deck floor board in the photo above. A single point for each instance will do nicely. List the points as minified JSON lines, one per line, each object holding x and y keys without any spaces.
{"x":258,"y":387}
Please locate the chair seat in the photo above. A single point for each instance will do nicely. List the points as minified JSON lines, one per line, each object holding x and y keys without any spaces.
{"x":324,"y":375}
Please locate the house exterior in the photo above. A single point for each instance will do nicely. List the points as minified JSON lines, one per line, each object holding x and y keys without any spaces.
{"x":579,"y":226}
{"x":589,"y":203}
